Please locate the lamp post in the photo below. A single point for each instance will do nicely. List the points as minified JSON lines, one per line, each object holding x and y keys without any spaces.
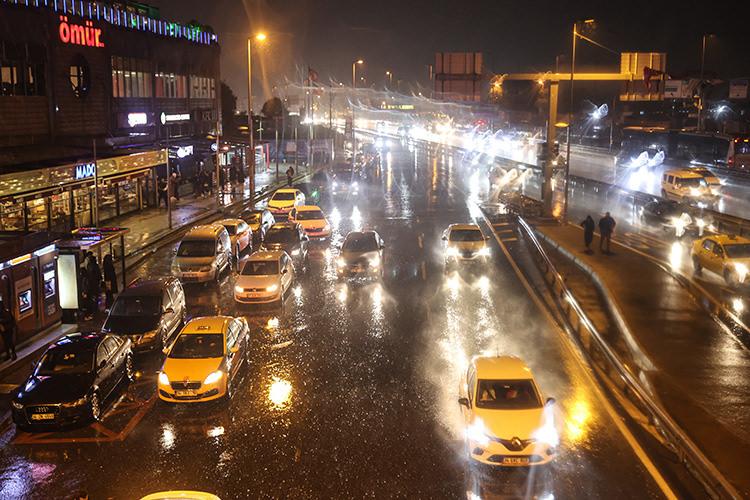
{"x":260,"y":37}
{"x":570,"y":113}
{"x":700,"y":90}
{"x":354,"y":134}
{"x":389,"y":74}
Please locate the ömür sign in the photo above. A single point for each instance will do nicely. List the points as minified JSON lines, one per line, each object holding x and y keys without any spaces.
{"x":80,"y":34}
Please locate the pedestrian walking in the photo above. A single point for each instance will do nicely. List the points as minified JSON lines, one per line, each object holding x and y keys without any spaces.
{"x":289,"y":176}
{"x":175,"y":180}
{"x":163,"y":192}
{"x":110,"y":279}
{"x":8,"y":331}
{"x":606,"y":229}
{"x":94,"y":284}
{"x":588,"y":226}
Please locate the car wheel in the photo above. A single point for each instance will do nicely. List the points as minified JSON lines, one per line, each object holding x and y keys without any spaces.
{"x":697,"y":268}
{"x":129,"y":369}
{"x":95,"y":409}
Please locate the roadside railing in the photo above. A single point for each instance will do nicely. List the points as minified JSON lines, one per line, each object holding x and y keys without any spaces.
{"x":601,"y":354}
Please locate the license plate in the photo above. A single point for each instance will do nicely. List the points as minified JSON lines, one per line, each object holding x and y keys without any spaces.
{"x":185,"y":393}
{"x":515,"y":460}
{"x":43,"y":416}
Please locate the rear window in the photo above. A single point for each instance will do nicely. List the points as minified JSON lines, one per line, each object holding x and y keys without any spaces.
{"x":507,"y":395}
{"x":360,"y":242}
{"x":197,"y":248}
{"x":285,"y":235}
{"x":283,"y":196}
{"x":260,"y":268}
{"x":137,"y":306}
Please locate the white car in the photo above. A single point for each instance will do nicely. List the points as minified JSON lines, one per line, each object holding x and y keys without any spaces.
{"x":465,"y":243}
{"x":283,"y":200}
{"x":264,"y":277}
{"x":507,"y":421}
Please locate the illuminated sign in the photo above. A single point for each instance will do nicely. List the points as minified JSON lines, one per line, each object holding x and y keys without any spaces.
{"x":179,"y":117}
{"x":85,"y":170}
{"x":135,"y":119}
{"x":80,"y":34}
{"x":184,"y":151}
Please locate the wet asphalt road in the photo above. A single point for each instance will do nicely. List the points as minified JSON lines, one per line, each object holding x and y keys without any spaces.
{"x":352,"y":389}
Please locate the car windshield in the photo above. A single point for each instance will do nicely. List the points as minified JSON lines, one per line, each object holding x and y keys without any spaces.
{"x":202,"y":345}
{"x":283,"y":196}
{"x":232,"y":230}
{"x":360,"y":242}
{"x":692,"y":182}
{"x":285,"y":235}
{"x":66,"y":361}
{"x":310,"y":215}
{"x":260,"y":268}
{"x":197,"y":248}
{"x":507,"y":395}
{"x":137,"y":306}
{"x":738,"y":250}
{"x":466,"y":235}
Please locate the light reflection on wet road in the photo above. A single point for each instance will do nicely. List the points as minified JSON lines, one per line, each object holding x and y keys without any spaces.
{"x":352,"y":386}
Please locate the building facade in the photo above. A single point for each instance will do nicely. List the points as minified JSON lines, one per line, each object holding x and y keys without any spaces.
{"x":82,"y":81}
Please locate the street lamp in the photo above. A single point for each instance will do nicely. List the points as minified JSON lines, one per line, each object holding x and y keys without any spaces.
{"x":700,"y":90}
{"x":354,"y":135}
{"x":259,"y":37}
{"x":389,"y":74}
{"x":576,"y":35}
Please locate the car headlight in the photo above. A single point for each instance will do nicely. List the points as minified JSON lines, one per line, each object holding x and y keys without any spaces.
{"x":341,"y":262}
{"x":451,"y":252}
{"x":163,"y":379}
{"x":272,"y":288}
{"x":335,"y":184}
{"x":476,"y":432}
{"x":484,"y":252}
{"x":741,"y":270}
{"x":375,"y":261}
{"x":355,"y":185}
{"x":695,"y":192}
{"x":716,"y":191}
{"x":15,"y":404}
{"x":150,"y":335}
{"x":213,"y":377}
{"x":295,"y":252}
{"x":238,"y":289}
{"x":548,"y":435}
{"x":77,"y":402}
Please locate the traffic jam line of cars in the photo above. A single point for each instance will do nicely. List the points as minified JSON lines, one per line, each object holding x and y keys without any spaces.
{"x":507,"y":420}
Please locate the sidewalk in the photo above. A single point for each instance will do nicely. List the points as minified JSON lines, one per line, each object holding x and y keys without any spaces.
{"x":694,"y":368}
{"x":146,"y":227}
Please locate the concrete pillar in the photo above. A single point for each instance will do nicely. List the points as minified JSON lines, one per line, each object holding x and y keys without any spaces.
{"x":548,"y":167}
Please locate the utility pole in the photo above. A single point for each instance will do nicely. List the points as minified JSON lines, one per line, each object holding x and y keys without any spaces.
{"x":96,"y":186}
{"x":570,"y":119}
{"x":219,"y":184}
{"x":169,"y":185}
{"x":700,"y":84}
{"x":251,"y":156}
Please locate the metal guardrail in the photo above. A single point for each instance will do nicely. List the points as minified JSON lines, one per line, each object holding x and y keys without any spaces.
{"x":600,"y":353}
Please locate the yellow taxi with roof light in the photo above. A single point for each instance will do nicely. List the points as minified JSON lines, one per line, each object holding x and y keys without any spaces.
{"x":724,"y":254}
{"x":204,"y":361}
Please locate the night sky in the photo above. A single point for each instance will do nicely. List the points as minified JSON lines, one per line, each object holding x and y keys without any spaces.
{"x":402,"y":35}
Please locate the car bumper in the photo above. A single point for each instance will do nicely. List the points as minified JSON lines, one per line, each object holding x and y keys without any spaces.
{"x":201,"y":395}
{"x":63,"y":417}
{"x":467,"y":258}
{"x":194,"y":276}
{"x":257,"y":298}
{"x":318,"y":234}
{"x":496,"y":455}
{"x":355,"y":272}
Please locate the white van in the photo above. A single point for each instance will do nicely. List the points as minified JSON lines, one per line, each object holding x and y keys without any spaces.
{"x":204,"y":253}
{"x":684,"y":185}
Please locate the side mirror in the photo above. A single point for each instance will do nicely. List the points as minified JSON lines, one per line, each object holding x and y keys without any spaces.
{"x":444,"y":238}
{"x":284,"y":271}
{"x":464,"y":402}
{"x":486,"y":238}
{"x":235,"y":348}
{"x":168,"y":310}
{"x":305,"y":238}
{"x":382,"y":247}
{"x":550,"y":402}
{"x":102,"y":364}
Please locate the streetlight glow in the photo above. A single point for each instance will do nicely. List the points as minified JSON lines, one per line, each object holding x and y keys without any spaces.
{"x":261,"y":37}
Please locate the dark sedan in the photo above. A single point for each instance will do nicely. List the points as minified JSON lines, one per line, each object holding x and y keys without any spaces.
{"x":361,"y":255}
{"x":72,"y":381}
{"x":290,"y":237}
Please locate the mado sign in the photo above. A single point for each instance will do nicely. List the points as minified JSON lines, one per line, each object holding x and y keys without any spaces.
{"x":85,"y":170}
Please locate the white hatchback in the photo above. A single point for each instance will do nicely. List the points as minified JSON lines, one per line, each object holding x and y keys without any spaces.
{"x":507,"y":422}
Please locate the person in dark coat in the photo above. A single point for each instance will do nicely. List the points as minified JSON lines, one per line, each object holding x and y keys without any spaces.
{"x":110,"y":279}
{"x":94,"y":281}
{"x":163,"y":192}
{"x":8,"y":331}
{"x":289,"y":176}
{"x":588,"y":226}
{"x":606,"y":228}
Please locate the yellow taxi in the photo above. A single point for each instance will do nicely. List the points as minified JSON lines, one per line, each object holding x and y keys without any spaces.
{"x":203,"y":362}
{"x":724,"y":254}
{"x":312,"y":220}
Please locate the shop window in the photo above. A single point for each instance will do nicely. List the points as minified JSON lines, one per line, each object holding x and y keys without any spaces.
{"x":131,"y":77}
{"x":80,"y":78}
